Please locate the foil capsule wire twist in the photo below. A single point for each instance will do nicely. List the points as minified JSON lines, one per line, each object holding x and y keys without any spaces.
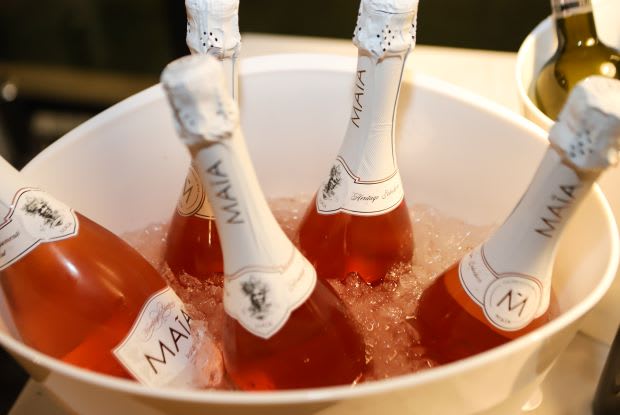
{"x":213,"y":27}
{"x":386,"y":27}
{"x":587,"y":132}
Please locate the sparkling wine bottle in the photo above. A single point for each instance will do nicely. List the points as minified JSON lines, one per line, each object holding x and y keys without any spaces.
{"x":193,"y":244}
{"x":358,"y":220}
{"x":580,"y":53}
{"x":502,"y":289}
{"x":283,"y":328}
{"x":606,"y":398}
{"x":79,"y":293}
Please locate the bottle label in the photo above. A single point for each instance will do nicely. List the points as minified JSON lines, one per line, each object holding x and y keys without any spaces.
{"x":565,"y":8}
{"x":510,"y":301}
{"x":158,"y":349}
{"x":262,"y":298}
{"x":343,"y":191}
{"x":193,"y":200}
{"x":34,"y":218}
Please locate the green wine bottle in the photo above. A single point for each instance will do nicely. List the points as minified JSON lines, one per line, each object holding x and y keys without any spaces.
{"x":580,"y":53}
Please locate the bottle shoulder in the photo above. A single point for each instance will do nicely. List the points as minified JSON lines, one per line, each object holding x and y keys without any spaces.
{"x":94,"y":257}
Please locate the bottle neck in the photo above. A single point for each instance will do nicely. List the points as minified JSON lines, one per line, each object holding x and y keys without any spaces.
{"x":369,"y":146}
{"x":527,"y":241}
{"x":249,"y":233}
{"x":574,"y":23}
{"x":266,"y":277}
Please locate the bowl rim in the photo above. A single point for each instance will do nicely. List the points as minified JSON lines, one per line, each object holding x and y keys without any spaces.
{"x":527,"y":49}
{"x":343,"y":64}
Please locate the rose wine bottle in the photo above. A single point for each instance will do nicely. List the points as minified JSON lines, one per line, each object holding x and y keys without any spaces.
{"x":79,"y":293}
{"x":283,"y":328}
{"x":502,"y":289}
{"x":358,"y":220}
{"x":193,"y":245}
{"x":580,"y":53}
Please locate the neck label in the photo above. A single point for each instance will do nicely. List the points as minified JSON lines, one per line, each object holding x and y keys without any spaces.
{"x":343,"y":191}
{"x":554,"y":214}
{"x":266,"y":277}
{"x":159,"y":347}
{"x":364,"y":179}
{"x":262,"y":298}
{"x":34,"y":218}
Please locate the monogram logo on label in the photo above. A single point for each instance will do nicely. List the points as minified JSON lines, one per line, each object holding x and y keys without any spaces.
{"x":511,"y":301}
{"x":193,"y":195}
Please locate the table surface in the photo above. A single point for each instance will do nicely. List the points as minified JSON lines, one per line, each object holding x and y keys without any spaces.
{"x":569,"y":387}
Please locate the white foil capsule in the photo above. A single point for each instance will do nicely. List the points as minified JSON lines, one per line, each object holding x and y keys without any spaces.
{"x":386,"y":27}
{"x":204,"y":111}
{"x":588,"y":128}
{"x":213,"y":27}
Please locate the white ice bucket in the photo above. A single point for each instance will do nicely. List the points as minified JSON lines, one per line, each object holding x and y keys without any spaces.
{"x":458,"y":152}
{"x":535,"y":50}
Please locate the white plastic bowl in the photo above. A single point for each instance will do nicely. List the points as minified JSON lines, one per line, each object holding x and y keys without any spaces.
{"x":458,"y":152}
{"x":535,"y":50}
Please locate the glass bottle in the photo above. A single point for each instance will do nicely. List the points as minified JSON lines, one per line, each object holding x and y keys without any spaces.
{"x":606,"y":400}
{"x":502,"y":289}
{"x":79,"y":293}
{"x":283,"y":328}
{"x":358,"y":220}
{"x":193,"y":244}
{"x":580,"y":53}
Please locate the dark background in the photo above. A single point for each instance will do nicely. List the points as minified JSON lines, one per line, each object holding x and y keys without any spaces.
{"x":62,"y":61}
{"x":142,"y":35}
{"x":69,"y":59}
